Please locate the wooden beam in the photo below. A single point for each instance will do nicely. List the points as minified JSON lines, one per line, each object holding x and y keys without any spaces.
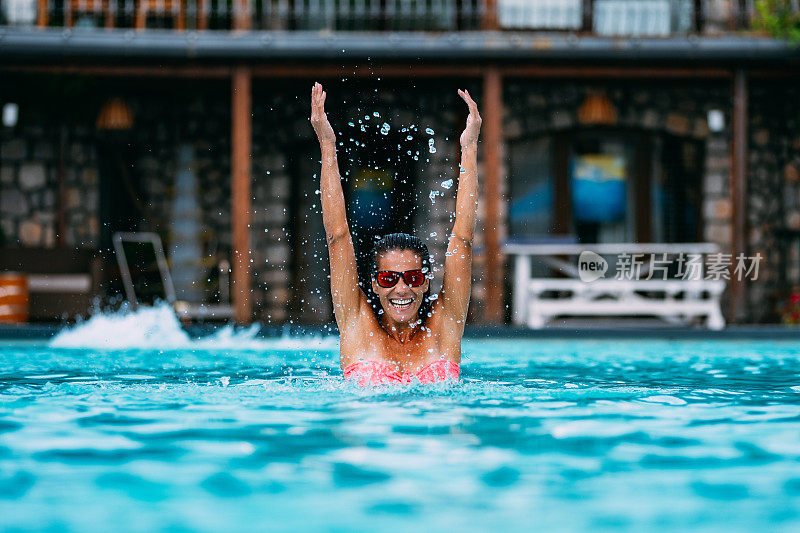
{"x":141,"y":15}
{"x":577,"y":71}
{"x":320,"y":71}
{"x":203,"y":7}
{"x":489,"y":20}
{"x":42,"y":15}
{"x":492,"y":139}
{"x":784,"y":73}
{"x":314,"y":72}
{"x":477,"y":71}
{"x":241,"y":15}
{"x":241,"y":169}
{"x":124,"y":72}
{"x":738,"y":191}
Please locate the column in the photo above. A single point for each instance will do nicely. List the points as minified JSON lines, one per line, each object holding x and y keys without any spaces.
{"x":241,"y":165}
{"x":492,"y":139}
{"x":737,"y":288}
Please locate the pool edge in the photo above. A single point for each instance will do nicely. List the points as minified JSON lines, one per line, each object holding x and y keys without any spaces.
{"x":46,"y":331}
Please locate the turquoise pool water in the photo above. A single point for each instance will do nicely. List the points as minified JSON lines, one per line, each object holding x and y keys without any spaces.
{"x":146,"y":430}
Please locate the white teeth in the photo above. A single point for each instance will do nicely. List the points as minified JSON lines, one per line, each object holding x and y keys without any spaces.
{"x":401,"y":302}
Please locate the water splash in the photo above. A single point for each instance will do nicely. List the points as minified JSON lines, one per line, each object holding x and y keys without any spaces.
{"x":158,"y":328}
{"x":152,"y":327}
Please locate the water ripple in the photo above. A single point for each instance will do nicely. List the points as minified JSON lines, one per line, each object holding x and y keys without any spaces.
{"x":570,"y":436}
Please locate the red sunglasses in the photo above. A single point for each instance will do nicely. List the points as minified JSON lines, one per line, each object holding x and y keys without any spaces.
{"x":389,"y":278}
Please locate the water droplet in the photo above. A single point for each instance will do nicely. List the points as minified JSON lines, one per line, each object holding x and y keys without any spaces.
{"x":375,"y":114}
{"x":429,"y":131}
{"x":446,"y":184}
{"x":385,"y":129}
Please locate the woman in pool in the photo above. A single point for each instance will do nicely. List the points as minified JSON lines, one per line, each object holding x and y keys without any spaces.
{"x":412,"y":336}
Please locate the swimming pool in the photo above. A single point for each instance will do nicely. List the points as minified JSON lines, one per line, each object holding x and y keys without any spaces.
{"x":147,"y":430}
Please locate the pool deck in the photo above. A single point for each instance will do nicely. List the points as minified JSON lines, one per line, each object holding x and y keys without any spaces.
{"x":564,"y":330}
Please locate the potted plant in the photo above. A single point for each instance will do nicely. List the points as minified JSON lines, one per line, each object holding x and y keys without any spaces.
{"x":791,"y":309}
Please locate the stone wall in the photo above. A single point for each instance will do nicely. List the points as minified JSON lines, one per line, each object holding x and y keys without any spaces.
{"x":30,"y":156}
{"x":773,"y":183}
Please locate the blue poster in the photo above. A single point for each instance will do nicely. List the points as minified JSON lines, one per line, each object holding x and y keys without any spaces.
{"x":371,"y":199}
{"x":598,"y":188}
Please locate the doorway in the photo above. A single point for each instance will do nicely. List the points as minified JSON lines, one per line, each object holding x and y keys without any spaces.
{"x":596,"y":185}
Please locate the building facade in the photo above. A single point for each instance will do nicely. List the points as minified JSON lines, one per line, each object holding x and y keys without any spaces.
{"x":697,"y":116}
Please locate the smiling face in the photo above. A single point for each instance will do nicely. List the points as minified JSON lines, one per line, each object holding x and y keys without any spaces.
{"x":400,"y":303}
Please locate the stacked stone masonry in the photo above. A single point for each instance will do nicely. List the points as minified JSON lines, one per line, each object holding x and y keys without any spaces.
{"x":29,"y":188}
{"x":773,"y":183}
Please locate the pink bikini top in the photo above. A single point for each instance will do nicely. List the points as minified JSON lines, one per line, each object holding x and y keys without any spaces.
{"x":378,"y":373}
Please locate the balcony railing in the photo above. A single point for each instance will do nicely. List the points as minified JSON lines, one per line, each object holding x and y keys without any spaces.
{"x":600,"y":17}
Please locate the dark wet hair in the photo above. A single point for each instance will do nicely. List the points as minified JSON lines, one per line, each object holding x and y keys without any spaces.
{"x":402,"y":241}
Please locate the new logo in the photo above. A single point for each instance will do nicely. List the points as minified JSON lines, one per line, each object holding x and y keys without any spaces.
{"x":591,"y":266}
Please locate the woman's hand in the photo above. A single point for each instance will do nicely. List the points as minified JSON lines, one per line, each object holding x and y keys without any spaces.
{"x":319,"y":119}
{"x":473,"y":128}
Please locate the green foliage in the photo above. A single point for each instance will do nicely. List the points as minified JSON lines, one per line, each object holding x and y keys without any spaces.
{"x":778,"y":18}
{"x":791,"y":310}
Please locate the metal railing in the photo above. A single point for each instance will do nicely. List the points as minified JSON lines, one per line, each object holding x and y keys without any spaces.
{"x":600,"y":17}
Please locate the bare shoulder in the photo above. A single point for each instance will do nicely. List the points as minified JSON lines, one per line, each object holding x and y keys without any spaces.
{"x":446,"y":332}
{"x":358,"y":339}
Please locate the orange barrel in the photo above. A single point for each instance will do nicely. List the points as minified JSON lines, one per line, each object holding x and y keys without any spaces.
{"x":14,"y":299}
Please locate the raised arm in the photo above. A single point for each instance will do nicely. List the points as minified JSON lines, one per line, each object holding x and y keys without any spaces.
{"x":458,"y":260}
{"x":345,"y":292}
